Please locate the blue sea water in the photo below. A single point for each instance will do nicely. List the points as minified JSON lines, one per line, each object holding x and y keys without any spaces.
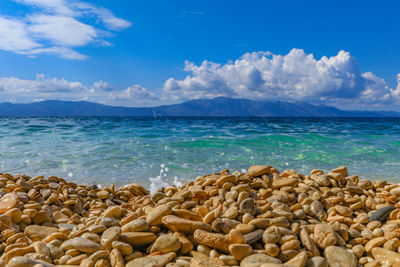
{"x":105,"y":150}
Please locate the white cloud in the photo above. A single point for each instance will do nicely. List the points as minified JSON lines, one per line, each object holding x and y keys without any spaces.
{"x":56,"y":27}
{"x":44,"y":88}
{"x":295,"y":76}
{"x":136,"y":93}
{"x":103,"y":86}
{"x":62,"y":52}
{"x":61,"y":30}
{"x":14,"y":37}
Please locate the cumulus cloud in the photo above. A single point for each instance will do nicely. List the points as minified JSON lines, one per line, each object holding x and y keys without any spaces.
{"x":136,"y":93}
{"x":292,"y":77}
{"x":297,"y":76}
{"x":44,"y":88}
{"x":56,"y":27}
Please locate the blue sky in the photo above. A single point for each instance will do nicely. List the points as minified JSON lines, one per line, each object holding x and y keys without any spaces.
{"x":143,"y":53}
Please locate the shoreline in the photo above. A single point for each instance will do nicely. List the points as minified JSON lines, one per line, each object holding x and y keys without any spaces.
{"x":261,"y":218}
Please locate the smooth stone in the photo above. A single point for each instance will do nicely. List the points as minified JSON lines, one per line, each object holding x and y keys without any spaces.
{"x":299,"y":260}
{"x":342,"y":170}
{"x":167,"y":243}
{"x":178,"y":224}
{"x":386,"y":256}
{"x":395,"y":191}
{"x":318,"y":211}
{"x":224,"y":225}
{"x":138,"y":238}
{"x":152,"y":261}
{"x":102,"y":194}
{"x":257,"y":170}
{"x":240,"y":251}
{"x":154,"y":217}
{"x":138,"y":225}
{"x":308,"y":243}
{"x":254,"y":236}
{"x":324,"y":235}
{"x":247,"y":206}
{"x":110,"y":235}
{"x":317,"y":262}
{"x":256,"y":260}
{"x":382,"y":214}
{"x":39,"y":232}
{"x":340,"y":257}
{"x":284,"y":182}
{"x":375,"y":242}
{"x":85,"y":245}
{"x":109,"y":222}
{"x":116,"y":258}
{"x":8,"y":201}
{"x":20,"y":261}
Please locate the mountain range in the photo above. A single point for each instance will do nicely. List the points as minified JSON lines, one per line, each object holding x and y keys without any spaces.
{"x":216,"y":107}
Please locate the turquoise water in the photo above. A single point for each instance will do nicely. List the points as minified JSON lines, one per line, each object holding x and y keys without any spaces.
{"x":125,"y":150}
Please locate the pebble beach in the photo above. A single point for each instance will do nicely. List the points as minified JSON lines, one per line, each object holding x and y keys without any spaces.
{"x":259,"y":218}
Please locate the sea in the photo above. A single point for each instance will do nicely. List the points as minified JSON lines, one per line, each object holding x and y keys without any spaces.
{"x":157,"y":152}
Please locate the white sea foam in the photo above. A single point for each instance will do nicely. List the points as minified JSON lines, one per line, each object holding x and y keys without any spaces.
{"x":157,"y":182}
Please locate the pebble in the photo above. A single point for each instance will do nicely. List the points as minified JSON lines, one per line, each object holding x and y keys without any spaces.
{"x":166,"y":243}
{"x":340,"y":257}
{"x":324,"y":235}
{"x":381,"y":214}
{"x":85,"y":245}
{"x":258,"y":259}
{"x":110,"y":235}
{"x":8,"y":201}
{"x":261,"y":218}
{"x":317,"y":262}
{"x":240,"y":251}
{"x":158,"y":260}
{"x":386,"y":256}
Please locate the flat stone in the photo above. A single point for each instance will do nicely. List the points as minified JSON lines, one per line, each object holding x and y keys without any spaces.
{"x":256,"y":260}
{"x":382,"y":213}
{"x":154,"y":217}
{"x":138,"y":225}
{"x":21,"y":262}
{"x":85,"y":245}
{"x":152,"y":261}
{"x":240,"y":251}
{"x":8,"y":201}
{"x":299,"y":260}
{"x":138,"y":238}
{"x":308,"y":243}
{"x":167,"y":243}
{"x":285,"y":182}
{"x":340,"y":257}
{"x":324,"y":235}
{"x":386,"y":256}
{"x":254,"y":236}
{"x":178,"y":224}
{"x":257,"y":170}
{"x":38,"y":232}
{"x":110,"y":235}
{"x":317,"y":262}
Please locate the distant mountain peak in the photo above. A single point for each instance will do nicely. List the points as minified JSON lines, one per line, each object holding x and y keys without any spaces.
{"x":214,"y":107}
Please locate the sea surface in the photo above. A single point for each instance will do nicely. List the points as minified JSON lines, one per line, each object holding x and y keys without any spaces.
{"x":155,"y":152}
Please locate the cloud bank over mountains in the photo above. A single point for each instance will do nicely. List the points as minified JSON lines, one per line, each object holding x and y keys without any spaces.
{"x":296,"y":76}
{"x":57,"y":27}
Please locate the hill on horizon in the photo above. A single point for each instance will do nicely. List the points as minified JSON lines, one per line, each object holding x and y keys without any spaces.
{"x":216,"y":107}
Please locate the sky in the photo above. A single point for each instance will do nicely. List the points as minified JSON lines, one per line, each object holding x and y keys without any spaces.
{"x":147,"y":53}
